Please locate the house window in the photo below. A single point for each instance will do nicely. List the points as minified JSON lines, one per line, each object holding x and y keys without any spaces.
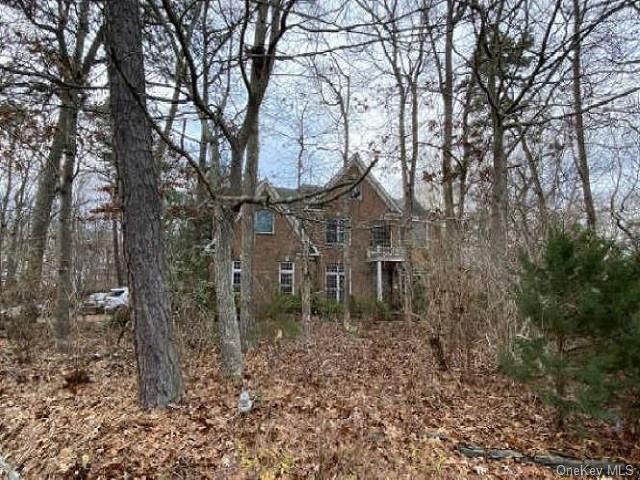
{"x":380,"y":235}
{"x":336,"y":231}
{"x":264,"y":221}
{"x":236,"y":276}
{"x":286,"y":278}
{"x":356,"y":193}
{"x":334,"y":279}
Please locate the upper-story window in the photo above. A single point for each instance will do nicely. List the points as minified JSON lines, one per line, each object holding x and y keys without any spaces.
{"x":336,"y":231}
{"x":380,"y":235}
{"x":264,"y":221}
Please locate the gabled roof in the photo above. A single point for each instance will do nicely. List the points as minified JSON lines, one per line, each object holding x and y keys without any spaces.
{"x":418,"y":208}
{"x":304,"y":189}
{"x":375,"y":184}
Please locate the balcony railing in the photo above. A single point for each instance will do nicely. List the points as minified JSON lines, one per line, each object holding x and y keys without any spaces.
{"x":386,"y":254}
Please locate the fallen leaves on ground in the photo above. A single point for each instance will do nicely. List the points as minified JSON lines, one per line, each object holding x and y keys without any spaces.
{"x":370,"y":405}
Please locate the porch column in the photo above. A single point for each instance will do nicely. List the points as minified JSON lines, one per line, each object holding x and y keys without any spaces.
{"x":379,"y":280}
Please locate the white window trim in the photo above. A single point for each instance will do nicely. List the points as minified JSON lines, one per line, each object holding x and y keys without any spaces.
{"x":343,"y":226}
{"x":235,"y":270}
{"x":293,"y":277}
{"x":348,"y":289}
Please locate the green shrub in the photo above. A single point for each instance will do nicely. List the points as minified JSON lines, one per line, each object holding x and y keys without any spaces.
{"x":582,"y":300}
{"x":370,"y":309}
{"x":325,"y":308}
{"x":283,"y":305}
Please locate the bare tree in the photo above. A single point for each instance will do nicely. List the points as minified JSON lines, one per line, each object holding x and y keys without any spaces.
{"x":339,"y":84}
{"x":401,"y":28}
{"x":578,"y":121}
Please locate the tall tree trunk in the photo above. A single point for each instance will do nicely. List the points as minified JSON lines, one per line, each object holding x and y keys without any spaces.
{"x":466,"y":150}
{"x":535,"y":178}
{"x":305,"y":284}
{"x":346,"y":261}
{"x":257,"y":86}
{"x":228,"y":327}
{"x":409,"y":181}
{"x":346,"y":203}
{"x":115,"y":238}
{"x":230,"y":342}
{"x":65,"y":237}
{"x":41,"y":215}
{"x":499,"y":187}
{"x":4,"y":205}
{"x":306,"y":290}
{"x":447,"y":140}
{"x":159,"y":377}
{"x":247,"y":300}
{"x":583,"y":163}
{"x":14,"y":235}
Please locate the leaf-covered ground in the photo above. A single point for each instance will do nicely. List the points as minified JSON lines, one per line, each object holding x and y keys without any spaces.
{"x":367,"y":405}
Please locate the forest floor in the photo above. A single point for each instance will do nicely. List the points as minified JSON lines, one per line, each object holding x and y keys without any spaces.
{"x":367,"y":405}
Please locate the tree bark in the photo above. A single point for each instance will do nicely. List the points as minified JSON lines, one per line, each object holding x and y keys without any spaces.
{"x":499,"y":187}
{"x":230,"y":342}
{"x":247,"y":300}
{"x":41,"y":215}
{"x":260,"y":73}
{"x":535,"y":177}
{"x":115,"y":237}
{"x":447,"y":139}
{"x":583,"y":162}
{"x":306,"y":290}
{"x":4,"y":205}
{"x":159,"y":378}
{"x":344,"y":104}
{"x":228,"y":327}
{"x":463,"y":168}
{"x":15,"y":234}
{"x":65,"y":237}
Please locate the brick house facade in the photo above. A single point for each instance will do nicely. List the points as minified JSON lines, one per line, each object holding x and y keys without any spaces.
{"x":367,"y":217}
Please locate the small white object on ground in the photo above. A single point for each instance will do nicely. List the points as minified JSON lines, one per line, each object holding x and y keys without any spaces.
{"x":8,"y":469}
{"x":245,"y":403}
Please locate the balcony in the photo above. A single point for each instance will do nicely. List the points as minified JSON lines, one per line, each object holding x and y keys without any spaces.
{"x":381,"y":253}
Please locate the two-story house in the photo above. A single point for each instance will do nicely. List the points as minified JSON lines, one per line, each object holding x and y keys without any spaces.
{"x":367,"y":219}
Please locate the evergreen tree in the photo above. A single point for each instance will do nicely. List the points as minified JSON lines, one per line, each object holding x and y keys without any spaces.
{"x":582,"y":299}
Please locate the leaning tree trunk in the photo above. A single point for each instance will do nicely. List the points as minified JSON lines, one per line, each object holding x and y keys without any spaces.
{"x":159,"y":378}
{"x":583,"y":163}
{"x":64,"y":287}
